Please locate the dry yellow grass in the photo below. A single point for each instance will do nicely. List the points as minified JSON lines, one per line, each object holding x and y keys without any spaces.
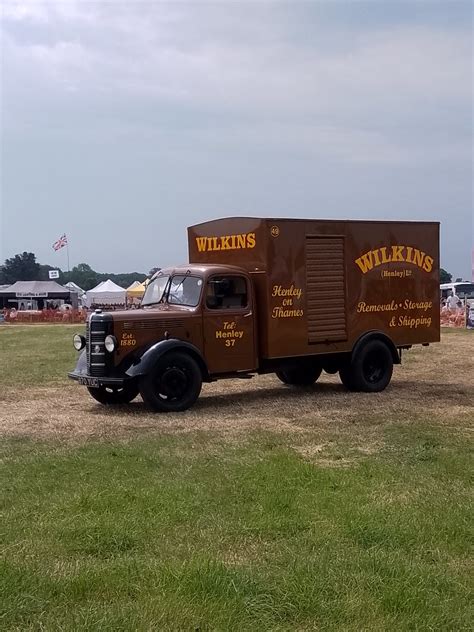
{"x":435,"y":383}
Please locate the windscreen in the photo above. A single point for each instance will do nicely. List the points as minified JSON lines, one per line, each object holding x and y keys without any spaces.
{"x":154,"y":291}
{"x":185,"y":290}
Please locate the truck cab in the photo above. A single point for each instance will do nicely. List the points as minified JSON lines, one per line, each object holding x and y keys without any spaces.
{"x":220,"y":302}
{"x":204,"y":315}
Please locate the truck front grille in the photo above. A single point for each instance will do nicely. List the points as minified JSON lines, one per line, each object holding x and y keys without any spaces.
{"x":97,"y":330}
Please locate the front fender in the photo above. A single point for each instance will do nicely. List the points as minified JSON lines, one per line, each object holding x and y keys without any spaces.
{"x":81,"y":364}
{"x":145,"y":363}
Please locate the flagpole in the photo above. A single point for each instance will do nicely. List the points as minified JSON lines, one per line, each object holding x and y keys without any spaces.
{"x":67,"y":248}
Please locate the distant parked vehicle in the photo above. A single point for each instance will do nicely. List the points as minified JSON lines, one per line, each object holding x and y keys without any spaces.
{"x":463,"y":289}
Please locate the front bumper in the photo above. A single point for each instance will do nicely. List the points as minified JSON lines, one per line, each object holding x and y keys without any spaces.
{"x":80,"y":374}
{"x":96,"y":382}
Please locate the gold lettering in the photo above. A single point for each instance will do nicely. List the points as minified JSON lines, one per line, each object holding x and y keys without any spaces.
{"x":225,"y":243}
{"x":366,"y":308}
{"x":280,"y":312}
{"x":418,"y":257}
{"x":428,"y":264}
{"x":385,"y":259}
{"x":394,"y":254}
{"x":397,"y":253}
{"x":201,"y":244}
{"x":365,"y":262}
{"x":229,"y":334}
{"x":251,"y":240}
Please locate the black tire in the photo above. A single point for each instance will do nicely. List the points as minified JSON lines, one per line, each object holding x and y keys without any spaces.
{"x":113,"y":395}
{"x":174,"y":383}
{"x":299,"y":375}
{"x":372,"y":368}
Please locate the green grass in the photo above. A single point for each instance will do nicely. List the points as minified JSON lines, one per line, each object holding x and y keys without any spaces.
{"x":36,"y":354}
{"x":142,"y":536}
{"x":194,"y":531}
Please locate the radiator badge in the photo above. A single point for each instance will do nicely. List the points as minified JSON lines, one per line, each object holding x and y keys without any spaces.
{"x":395,"y":254}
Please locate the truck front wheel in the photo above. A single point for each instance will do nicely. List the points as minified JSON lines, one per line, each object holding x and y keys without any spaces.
{"x":299,"y":375}
{"x":370,"y":370}
{"x":109,"y":395}
{"x":174,"y":383}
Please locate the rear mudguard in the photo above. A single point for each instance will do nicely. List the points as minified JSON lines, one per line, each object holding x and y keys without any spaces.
{"x":145,"y":363}
{"x":377,"y":335}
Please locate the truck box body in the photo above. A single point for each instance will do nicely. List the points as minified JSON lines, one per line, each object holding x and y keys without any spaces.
{"x":321,"y":284}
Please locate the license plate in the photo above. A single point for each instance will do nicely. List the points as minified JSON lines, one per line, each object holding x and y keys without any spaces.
{"x":89,"y":381}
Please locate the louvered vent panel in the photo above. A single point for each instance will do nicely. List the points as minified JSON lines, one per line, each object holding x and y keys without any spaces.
{"x":325,"y":289}
{"x":152,"y":324}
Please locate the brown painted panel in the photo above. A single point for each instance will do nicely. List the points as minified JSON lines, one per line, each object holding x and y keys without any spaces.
{"x":237,"y":241}
{"x":138,"y":329}
{"x":229,"y":332}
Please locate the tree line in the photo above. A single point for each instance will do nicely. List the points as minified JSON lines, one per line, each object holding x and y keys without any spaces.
{"x":24,"y":267}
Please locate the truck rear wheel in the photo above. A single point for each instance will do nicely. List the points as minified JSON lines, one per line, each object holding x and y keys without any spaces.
{"x":371,"y":369}
{"x":299,"y":375}
{"x":174,"y":383}
{"x":110,"y":395}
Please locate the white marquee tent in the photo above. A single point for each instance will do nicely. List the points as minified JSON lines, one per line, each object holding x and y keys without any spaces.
{"x":106,"y":293}
{"x":73,"y":287}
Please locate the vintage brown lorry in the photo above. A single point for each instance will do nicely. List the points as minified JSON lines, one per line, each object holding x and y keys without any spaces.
{"x":285,"y":296}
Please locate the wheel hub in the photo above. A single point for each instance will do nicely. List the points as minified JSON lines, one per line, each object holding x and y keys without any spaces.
{"x":373,"y":368}
{"x":173,"y":382}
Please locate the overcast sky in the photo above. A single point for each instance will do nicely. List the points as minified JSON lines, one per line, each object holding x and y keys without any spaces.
{"x":125,"y":122}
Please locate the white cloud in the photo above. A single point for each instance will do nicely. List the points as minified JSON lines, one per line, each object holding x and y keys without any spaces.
{"x":361,"y":101}
{"x":159,"y":55}
{"x":234,"y":79}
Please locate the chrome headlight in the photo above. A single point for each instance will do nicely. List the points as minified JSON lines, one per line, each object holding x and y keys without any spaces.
{"x":79,"y":342}
{"x":110,"y":343}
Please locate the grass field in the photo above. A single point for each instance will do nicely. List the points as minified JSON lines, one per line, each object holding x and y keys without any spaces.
{"x":262,"y":508}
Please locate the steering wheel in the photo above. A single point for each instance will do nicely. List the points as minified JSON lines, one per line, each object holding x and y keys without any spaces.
{"x":176,"y":299}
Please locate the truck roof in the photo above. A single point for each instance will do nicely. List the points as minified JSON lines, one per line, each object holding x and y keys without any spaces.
{"x":315,"y":219}
{"x":205,"y":269}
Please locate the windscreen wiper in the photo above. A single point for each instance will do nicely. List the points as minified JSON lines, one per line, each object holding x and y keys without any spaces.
{"x":188,"y":272}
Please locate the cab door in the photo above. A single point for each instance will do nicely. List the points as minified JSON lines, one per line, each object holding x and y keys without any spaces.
{"x":229,"y":324}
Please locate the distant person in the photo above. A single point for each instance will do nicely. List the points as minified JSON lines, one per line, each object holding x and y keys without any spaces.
{"x":453,"y":300}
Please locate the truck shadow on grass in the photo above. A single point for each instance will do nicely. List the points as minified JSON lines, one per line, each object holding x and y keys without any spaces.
{"x":400,"y":391}
{"x":285,"y":401}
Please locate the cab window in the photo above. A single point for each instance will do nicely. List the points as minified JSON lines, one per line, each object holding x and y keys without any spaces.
{"x":226,"y":292}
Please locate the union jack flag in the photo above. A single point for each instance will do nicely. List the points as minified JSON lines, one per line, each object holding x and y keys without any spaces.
{"x":62,"y":241}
